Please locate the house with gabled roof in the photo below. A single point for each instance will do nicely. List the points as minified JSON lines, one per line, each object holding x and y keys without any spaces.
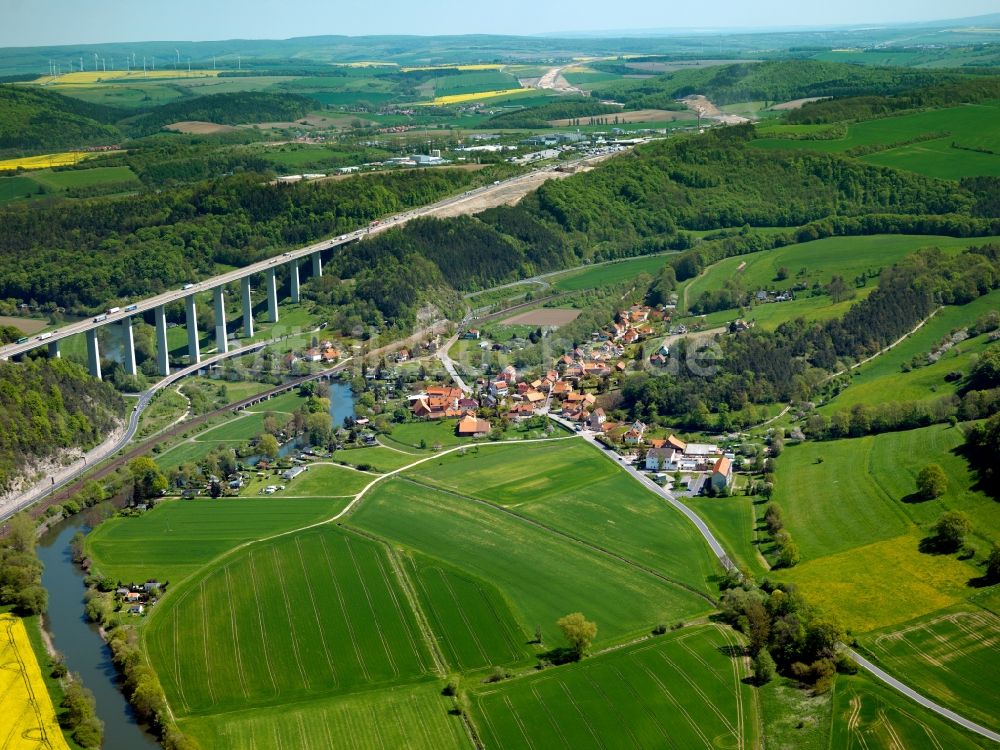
{"x":722,"y":473}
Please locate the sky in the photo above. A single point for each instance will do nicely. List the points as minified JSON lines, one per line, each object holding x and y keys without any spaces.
{"x":25,"y":23}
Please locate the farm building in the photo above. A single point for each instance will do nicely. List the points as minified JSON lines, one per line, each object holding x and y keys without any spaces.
{"x":472,"y":426}
{"x":293,"y":472}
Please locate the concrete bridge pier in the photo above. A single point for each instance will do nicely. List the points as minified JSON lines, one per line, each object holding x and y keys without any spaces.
{"x":293,"y":281}
{"x":317,"y":259}
{"x":162,"y":352}
{"x":128,"y":347}
{"x":221,"y":342}
{"x":272,"y":296}
{"x":93,"y":354}
{"x":194,"y":352}
{"x":247,"y":307}
{"x":54,"y":350}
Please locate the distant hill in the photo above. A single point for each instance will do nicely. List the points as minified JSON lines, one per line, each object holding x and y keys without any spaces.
{"x":771,"y":81}
{"x":224,"y":109}
{"x":34,"y":120}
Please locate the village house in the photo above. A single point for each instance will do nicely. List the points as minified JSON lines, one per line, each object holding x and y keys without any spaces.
{"x":437,"y":402}
{"x":520,"y":412}
{"x":499,"y":388}
{"x":659,"y":459}
{"x":722,"y":473}
{"x":312,"y":354}
{"x":635,"y":433}
{"x":597,"y":418}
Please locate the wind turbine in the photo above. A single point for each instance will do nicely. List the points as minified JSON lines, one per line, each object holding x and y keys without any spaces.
{"x":178,"y":63}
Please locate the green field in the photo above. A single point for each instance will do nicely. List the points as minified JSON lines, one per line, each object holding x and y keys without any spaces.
{"x":952,"y":656}
{"x":411,"y":716}
{"x":542,"y":576}
{"x":732,"y":520}
{"x":17,"y":188}
{"x":608,"y":274}
{"x":473,"y":623}
{"x":679,"y":691}
{"x":232,"y":430}
{"x":378,"y":458}
{"x":770,"y":316}
{"x":323,"y":480}
{"x":883,"y":379}
{"x":46,"y":182}
{"x":295,"y":618}
{"x":570,"y":486}
{"x":76,"y":178}
{"x":869,"y":716}
{"x":178,"y":537}
{"x":472,"y":82}
{"x":971,"y":126}
{"x":858,"y":525}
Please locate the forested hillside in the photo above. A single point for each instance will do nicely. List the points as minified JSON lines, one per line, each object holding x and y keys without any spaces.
{"x":33,"y":120}
{"x":226,"y":109}
{"x":49,"y":405}
{"x":773,"y":80}
{"x":80,"y":255}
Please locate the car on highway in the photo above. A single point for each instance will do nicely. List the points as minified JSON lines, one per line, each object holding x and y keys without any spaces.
{"x":43,"y":336}
{"x":130,"y":308}
{"x":113,"y":310}
{"x":99,"y":318}
{"x":23,"y":340}
{"x":187,"y":286}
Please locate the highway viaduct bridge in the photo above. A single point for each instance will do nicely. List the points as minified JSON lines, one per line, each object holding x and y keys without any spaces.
{"x":122,"y":316}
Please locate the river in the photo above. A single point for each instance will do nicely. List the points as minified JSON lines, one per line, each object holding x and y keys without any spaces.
{"x":78,"y":640}
{"x":81,"y":644}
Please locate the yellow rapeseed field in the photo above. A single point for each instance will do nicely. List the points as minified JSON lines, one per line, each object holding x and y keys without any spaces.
{"x":461,"y":98}
{"x":45,"y":161}
{"x":28,"y":719}
{"x":90,"y":77}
